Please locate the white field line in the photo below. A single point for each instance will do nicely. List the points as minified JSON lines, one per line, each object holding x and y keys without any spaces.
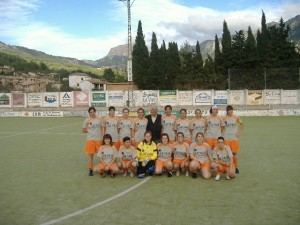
{"x":34,"y":131}
{"x":97,"y":204}
{"x":60,"y":133}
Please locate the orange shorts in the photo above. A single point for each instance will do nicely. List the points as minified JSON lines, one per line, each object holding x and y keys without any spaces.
{"x":212,"y":142}
{"x":204,"y":165}
{"x":126,"y":162}
{"x":163,"y":164}
{"x":179,"y":161}
{"x":224,"y":168}
{"x":234,"y":145}
{"x":92,"y":146}
{"x":102,"y":166}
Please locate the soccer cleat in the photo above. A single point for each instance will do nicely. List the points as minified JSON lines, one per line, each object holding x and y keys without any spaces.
{"x":187,"y":173}
{"x":227,"y":177}
{"x":194,"y":176}
{"x":142,"y":175}
{"x":131,"y":174}
{"x":112,"y":175}
{"x":177,"y":173}
{"x":169,"y":174}
{"x":91,"y":173}
{"x":237,"y":170}
{"x":217,"y":178}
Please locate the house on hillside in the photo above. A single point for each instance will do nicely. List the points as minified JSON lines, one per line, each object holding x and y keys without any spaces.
{"x":85,"y":83}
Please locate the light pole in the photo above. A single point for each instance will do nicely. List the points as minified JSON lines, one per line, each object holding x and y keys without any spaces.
{"x":129,"y":61}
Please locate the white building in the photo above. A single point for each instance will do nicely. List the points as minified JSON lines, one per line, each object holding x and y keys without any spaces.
{"x":76,"y":78}
{"x":85,"y":83}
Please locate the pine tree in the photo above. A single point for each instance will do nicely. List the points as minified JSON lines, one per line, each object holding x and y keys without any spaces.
{"x":226,"y":49}
{"x":140,"y":59}
{"x":251,"y":51}
{"x":198,"y":67}
{"x":154,"y":71}
{"x":264,"y":44}
{"x":238,"y":50}
{"x":162,"y":67}
{"x":173,"y":65}
{"x":218,"y":57}
{"x":186,"y":57}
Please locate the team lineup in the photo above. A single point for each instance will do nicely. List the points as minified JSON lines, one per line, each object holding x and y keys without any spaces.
{"x":149,"y":145}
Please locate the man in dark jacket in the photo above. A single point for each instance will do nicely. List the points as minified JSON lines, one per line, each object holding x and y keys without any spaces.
{"x":154,"y":124}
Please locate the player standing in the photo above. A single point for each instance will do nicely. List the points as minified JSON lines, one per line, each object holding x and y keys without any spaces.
{"x":125,"y":126}
{"x":168,"y":123}
{"x":197,"y":124}
{"x":111,"y":126}
{"x":139,"y":126}
{"x":183,"y":125}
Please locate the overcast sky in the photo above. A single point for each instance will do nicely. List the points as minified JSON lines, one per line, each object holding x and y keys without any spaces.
{"x":88,"y":29}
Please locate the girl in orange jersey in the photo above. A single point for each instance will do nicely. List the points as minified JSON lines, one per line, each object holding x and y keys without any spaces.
{"x":181,"y":155}
{"x":111,"y":126}
{"x":183,"y":125}
{"x":214,"y":127}
{"x":127,"y":155}
{"x":125,"y":126}
{"x":164,"y":156}
{"x":93,"y":127}
{"x":199,"y":154}
{"x":234,"y":127}
{"x":107,"y":158}
{"x":139,"y":126}
{"x":168,"y":123}
{"x":197,"y":124}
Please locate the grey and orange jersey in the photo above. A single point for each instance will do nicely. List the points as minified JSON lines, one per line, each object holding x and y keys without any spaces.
{"x":107,"y":153}
{"x":139,"y":127}
{"x":111,"y":127}
{"x":125,"y":126}
{"x":168,"y":126}
{"x":197,"y":125}
{"x":200,"y":151}
{"x":181,"y":151}
{"x":223,"y":155}
{"x":127,"y":154}
{"x":184,"y":127}
{"x":93,"y":126}
{"x":231,"y":127}
{"x":164,"y":152}
{"x":214,"y":124}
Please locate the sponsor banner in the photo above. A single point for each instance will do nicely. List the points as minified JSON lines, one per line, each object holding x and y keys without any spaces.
{"x":66,"y":99}
{"x":202,"y":97}
{"x":99,"y":99}
{"x":116,"y":98}
{"x":254,"y":97}
{"x":135,"y":98}
{"x":43,"y":114}
{"x":236,"y":97}
{"x":272,"y":97}
{"x":167,"y":97}
{"x":5,"y":100}
{"x":34,"y":99}
{"x":185,"y":97}
{"x":81,"y":98}
{"x":220,"y":98}
{"x":11,"y":114}
{"x":18,"y":99}
{"x":149,"y":97}
{"x":50,"y":99}
{"x":289,"y":97}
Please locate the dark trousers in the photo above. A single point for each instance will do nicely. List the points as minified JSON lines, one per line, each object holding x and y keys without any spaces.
{"x":143,"y":169}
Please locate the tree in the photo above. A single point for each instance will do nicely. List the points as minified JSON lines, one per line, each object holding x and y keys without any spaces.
{"x":109,"y":75}
{"x":198,"y":67}
{"x":238,"y":50}
{"x":162,"y":66}
{"x":140,"y":59}
{"x":218,"y":57}
{"x":153,"y":75}
{"x":251,"y":50}
{"x":226,"y":49}
{"x":173,"y":65}
{"x":187,"y":73}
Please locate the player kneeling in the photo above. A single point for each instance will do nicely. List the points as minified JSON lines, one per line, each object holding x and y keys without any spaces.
{"x":127,"y":155}
{"x":223,"y":160}
{"x":164,"y":158}
{"x":181,"y":155}
{"x":107,"y":158}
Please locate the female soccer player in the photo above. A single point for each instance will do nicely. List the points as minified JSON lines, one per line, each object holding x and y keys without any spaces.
{"x":181,"y":155}
{"x":127,"y":155}
{"x":183,"y":125}
{"x":111,"y":126}
{"x":197,"y":124}
{"x":107,"y":158}
{"x":199,"y":154}
{"x":164,"y":158}
{"x":234,"y":127}
{"x":222,"y":160}
{"x":146,"y":154}
{"x":168,"y":123}
{"x":125,"y":126}
{"x":93,"y":127}
{"x":214,"y":127}
{"x":139,"y":127}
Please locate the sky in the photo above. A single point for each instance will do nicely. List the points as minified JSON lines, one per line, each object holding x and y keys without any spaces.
{"x":87,"y":29}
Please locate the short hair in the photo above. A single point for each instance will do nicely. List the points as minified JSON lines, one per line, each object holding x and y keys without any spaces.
{"x":229,"y":107}
{"x":91,"y":108}
{"x":111,"y":108}
{"x":126,"y":139}
{"x":164,"y":134}
{"x":107,"y":136}
{"x":211,"y":108}
{"x":125,"y":109}
{"x":182,"y":110}
{"x":199,"y":133}
{"x":168,"y":106}
{"x":180,"y":133}
{"x":198,"y":110}
{"x":141,"y":110}
{"x":147,"y":132}
{"x":220,"y":138}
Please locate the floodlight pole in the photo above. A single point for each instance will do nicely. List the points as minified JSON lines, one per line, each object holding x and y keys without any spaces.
{"x":129,"y":48}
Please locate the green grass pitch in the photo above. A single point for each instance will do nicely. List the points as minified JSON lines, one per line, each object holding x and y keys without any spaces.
{"x":44,"y":176}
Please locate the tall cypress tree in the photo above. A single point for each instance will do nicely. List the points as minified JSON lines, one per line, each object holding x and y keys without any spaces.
{"x":226,"y":49}
{"x":264,"y":44}
{"x":162,"y":66}
{"x":173,"y":65}
{"x":140,"y":59}
{"x":251,"y":50}
{"x":186,"y":57}
{"x":218,"y":57}
{"x":198,"y":67}
{"x":238,"y":50}
{"x":154,"y":70}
